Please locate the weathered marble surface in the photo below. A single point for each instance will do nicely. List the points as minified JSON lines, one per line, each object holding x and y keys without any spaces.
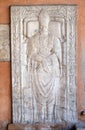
{"x":44,"y":62}
{"x":4,"y":43}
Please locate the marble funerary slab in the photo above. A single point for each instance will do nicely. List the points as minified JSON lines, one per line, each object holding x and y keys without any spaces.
{"x":43,"y":46}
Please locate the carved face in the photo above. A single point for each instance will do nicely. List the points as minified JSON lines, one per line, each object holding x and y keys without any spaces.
{"x":44,"y":18}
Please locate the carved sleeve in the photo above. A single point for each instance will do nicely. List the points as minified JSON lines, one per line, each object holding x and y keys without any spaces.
{"x":58,"y":51}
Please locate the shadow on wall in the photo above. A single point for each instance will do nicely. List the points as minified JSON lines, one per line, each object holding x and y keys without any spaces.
{"x":64,"y":127}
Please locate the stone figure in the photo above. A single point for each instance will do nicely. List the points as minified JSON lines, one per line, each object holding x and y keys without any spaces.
{"x":44,"y":55}
{"x":44,"y":60}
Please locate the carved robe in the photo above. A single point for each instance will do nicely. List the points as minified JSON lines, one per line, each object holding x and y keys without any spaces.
{"x":44,"y":57}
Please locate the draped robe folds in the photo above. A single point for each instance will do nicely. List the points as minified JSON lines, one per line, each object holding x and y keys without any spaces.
{"x":44,"y":69}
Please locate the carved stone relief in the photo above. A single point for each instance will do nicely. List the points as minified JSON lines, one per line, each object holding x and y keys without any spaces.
{"x":83,"y":76}
{"x":4,"y":43}
{"x":43,"y":44}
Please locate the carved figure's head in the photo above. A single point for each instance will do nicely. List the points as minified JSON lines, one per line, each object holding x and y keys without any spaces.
{"x":44,"y":18}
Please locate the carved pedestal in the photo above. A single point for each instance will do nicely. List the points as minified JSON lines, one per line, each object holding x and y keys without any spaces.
{"x":43,"y":46}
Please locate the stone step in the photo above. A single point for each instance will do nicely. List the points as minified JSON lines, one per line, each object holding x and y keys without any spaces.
{"x":36,"y":127}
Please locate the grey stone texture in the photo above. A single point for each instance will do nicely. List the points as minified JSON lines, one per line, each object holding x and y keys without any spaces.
{"x":4,"y":43}
{"x":44,"y":74}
